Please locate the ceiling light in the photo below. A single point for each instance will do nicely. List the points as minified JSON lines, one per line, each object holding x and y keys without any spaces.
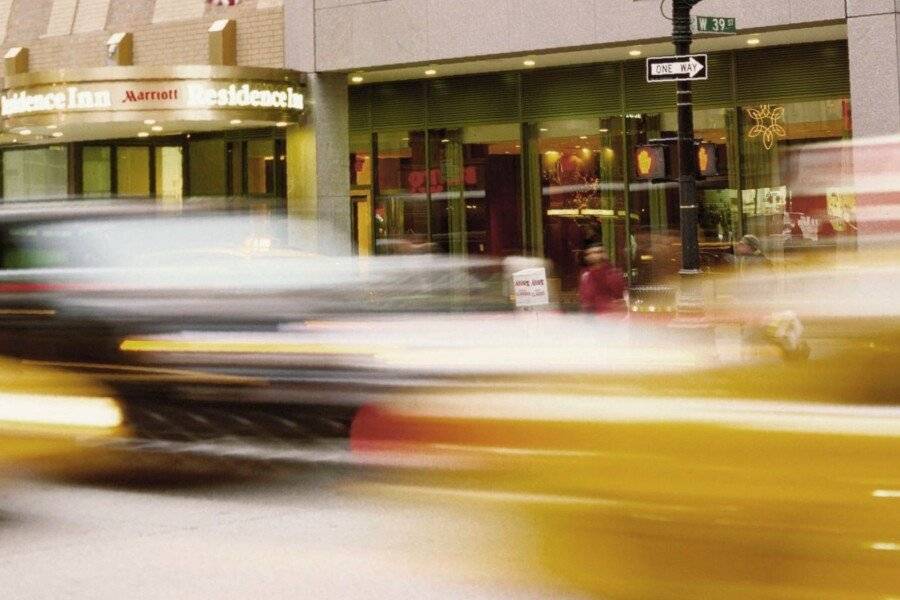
{"x":236,"y":121}
{"x":156,"y":128}
{"x":51,"y":127}
{"x":143,"y":134}
{"x":753,"y":41}
{"x":445,"y":141}
{"x":604,"y":130}
{"x":25,"y":131}
{"x":582,"y":137}
{"x":634,"y":53}
{"x":357,"y":79}
{"x":529,"y":63}
{"x":281,"y":124}
{"x":57,"y":134}
{"x":543,"y":130}
{"x":578,"y":147}
{"x":430,"y":72}
{"x":149,"y":121}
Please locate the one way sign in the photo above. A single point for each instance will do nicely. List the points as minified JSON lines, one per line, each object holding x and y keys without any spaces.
{"x":676,"y":68}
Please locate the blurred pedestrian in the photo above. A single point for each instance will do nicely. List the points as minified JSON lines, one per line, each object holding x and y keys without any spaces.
{"x":602,"y":285}
{"x":749,"y":256}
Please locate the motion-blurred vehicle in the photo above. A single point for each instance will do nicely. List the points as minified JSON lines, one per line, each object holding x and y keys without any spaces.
{"x":207,"y":323}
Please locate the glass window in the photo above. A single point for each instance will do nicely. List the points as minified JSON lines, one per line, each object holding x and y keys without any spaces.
{"x":582,"y":193}
{"x":401,"y":205}
{"x":476,"y":199}
{"x":261,"y":167}
{"x":169,"y":183}
{"x":783,"y":218}
{"x":133,"y":170}
{"x":656,"y":233}
{"x":96,"y":170}
{"x":36,"y":173}
{"x":207,"y":168}
{"x":360,"y":160}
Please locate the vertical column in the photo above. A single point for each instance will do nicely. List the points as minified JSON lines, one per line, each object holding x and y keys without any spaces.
{"x":873,"y":31}
{"x":318,"y":155}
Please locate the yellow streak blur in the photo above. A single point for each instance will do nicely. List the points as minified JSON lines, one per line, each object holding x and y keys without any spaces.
{"x":237,"y":347}
{"x":66,"y":411}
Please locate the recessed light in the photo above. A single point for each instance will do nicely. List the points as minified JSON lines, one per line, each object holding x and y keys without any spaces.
{"x":582,"y":137}
{"x":57,"y":134}
{"x":236,"y":121}
{"x":518,"y":145}
{"x":634,"y":52}
{"x":430,"y":72}
{"x":445,"y":141}
{"x":51,"y":127}
{"x":357,"y":79}
{"x":604,"y":130}
{"x":723,"y":139}
{"x":149,"y":121}
{"x":25,"y":131}
{"x":281,"y":124}
{"x":753,"y":41}
{"x":529,"y":63}
{"x":143,"y":134}
{"x":15,"y":140}
{"x":543,"y":130}
{"x":156,"y":128}
{"x":578,"y":147}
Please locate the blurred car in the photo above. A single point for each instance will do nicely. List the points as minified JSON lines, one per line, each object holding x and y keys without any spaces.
{"x":206,"y":323}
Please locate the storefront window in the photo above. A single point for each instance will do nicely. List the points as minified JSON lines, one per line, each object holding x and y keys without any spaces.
{"x":96,"y":170}
{"x":582,"y":193}
{"x":401,"y":205}
{"x":207,"y":168}
{"x":35,"y":173}
{"x":476,"y":200}
{"x":655,"y":243}
{"x":776,"y":207}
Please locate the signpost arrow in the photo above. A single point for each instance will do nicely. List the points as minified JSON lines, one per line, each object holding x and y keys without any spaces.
{"x":677,"y":68}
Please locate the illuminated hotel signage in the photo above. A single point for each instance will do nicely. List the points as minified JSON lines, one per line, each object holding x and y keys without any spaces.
{"x":172,"y":96}
{"x":188,"y":92}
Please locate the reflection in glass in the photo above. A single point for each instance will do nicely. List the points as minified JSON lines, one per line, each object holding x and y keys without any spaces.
{"x":582,"y":192}
{"x":261,"y":167}
{"x":207,"y":168}
{"x":96,"y":170}
{"x":401,"y":205}
{"x":771,"y":169}
{"x":133,"y":170}
{"x":35,"y":173}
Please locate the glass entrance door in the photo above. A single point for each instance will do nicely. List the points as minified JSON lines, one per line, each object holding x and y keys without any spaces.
{"x":169,"y":179}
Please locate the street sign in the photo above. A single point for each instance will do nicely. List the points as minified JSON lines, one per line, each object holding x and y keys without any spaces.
{"x":722,"y":25}
{"x":677,"y":68}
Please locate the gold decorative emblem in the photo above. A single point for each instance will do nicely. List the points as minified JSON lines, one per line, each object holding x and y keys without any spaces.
{"x":767,"y":124}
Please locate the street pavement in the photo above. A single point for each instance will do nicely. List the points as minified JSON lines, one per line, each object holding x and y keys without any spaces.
{"x":316,"y":533}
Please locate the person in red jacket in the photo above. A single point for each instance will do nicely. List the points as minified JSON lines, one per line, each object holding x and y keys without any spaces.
{"x":601,"y":284}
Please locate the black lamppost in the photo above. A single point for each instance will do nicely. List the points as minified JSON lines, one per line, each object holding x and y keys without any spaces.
{"x":687,"y":153}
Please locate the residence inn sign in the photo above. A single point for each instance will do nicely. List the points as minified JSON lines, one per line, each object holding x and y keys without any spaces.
{"x":182,"y":93}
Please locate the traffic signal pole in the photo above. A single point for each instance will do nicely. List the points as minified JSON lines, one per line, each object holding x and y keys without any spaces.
{"x":687,"y":154}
